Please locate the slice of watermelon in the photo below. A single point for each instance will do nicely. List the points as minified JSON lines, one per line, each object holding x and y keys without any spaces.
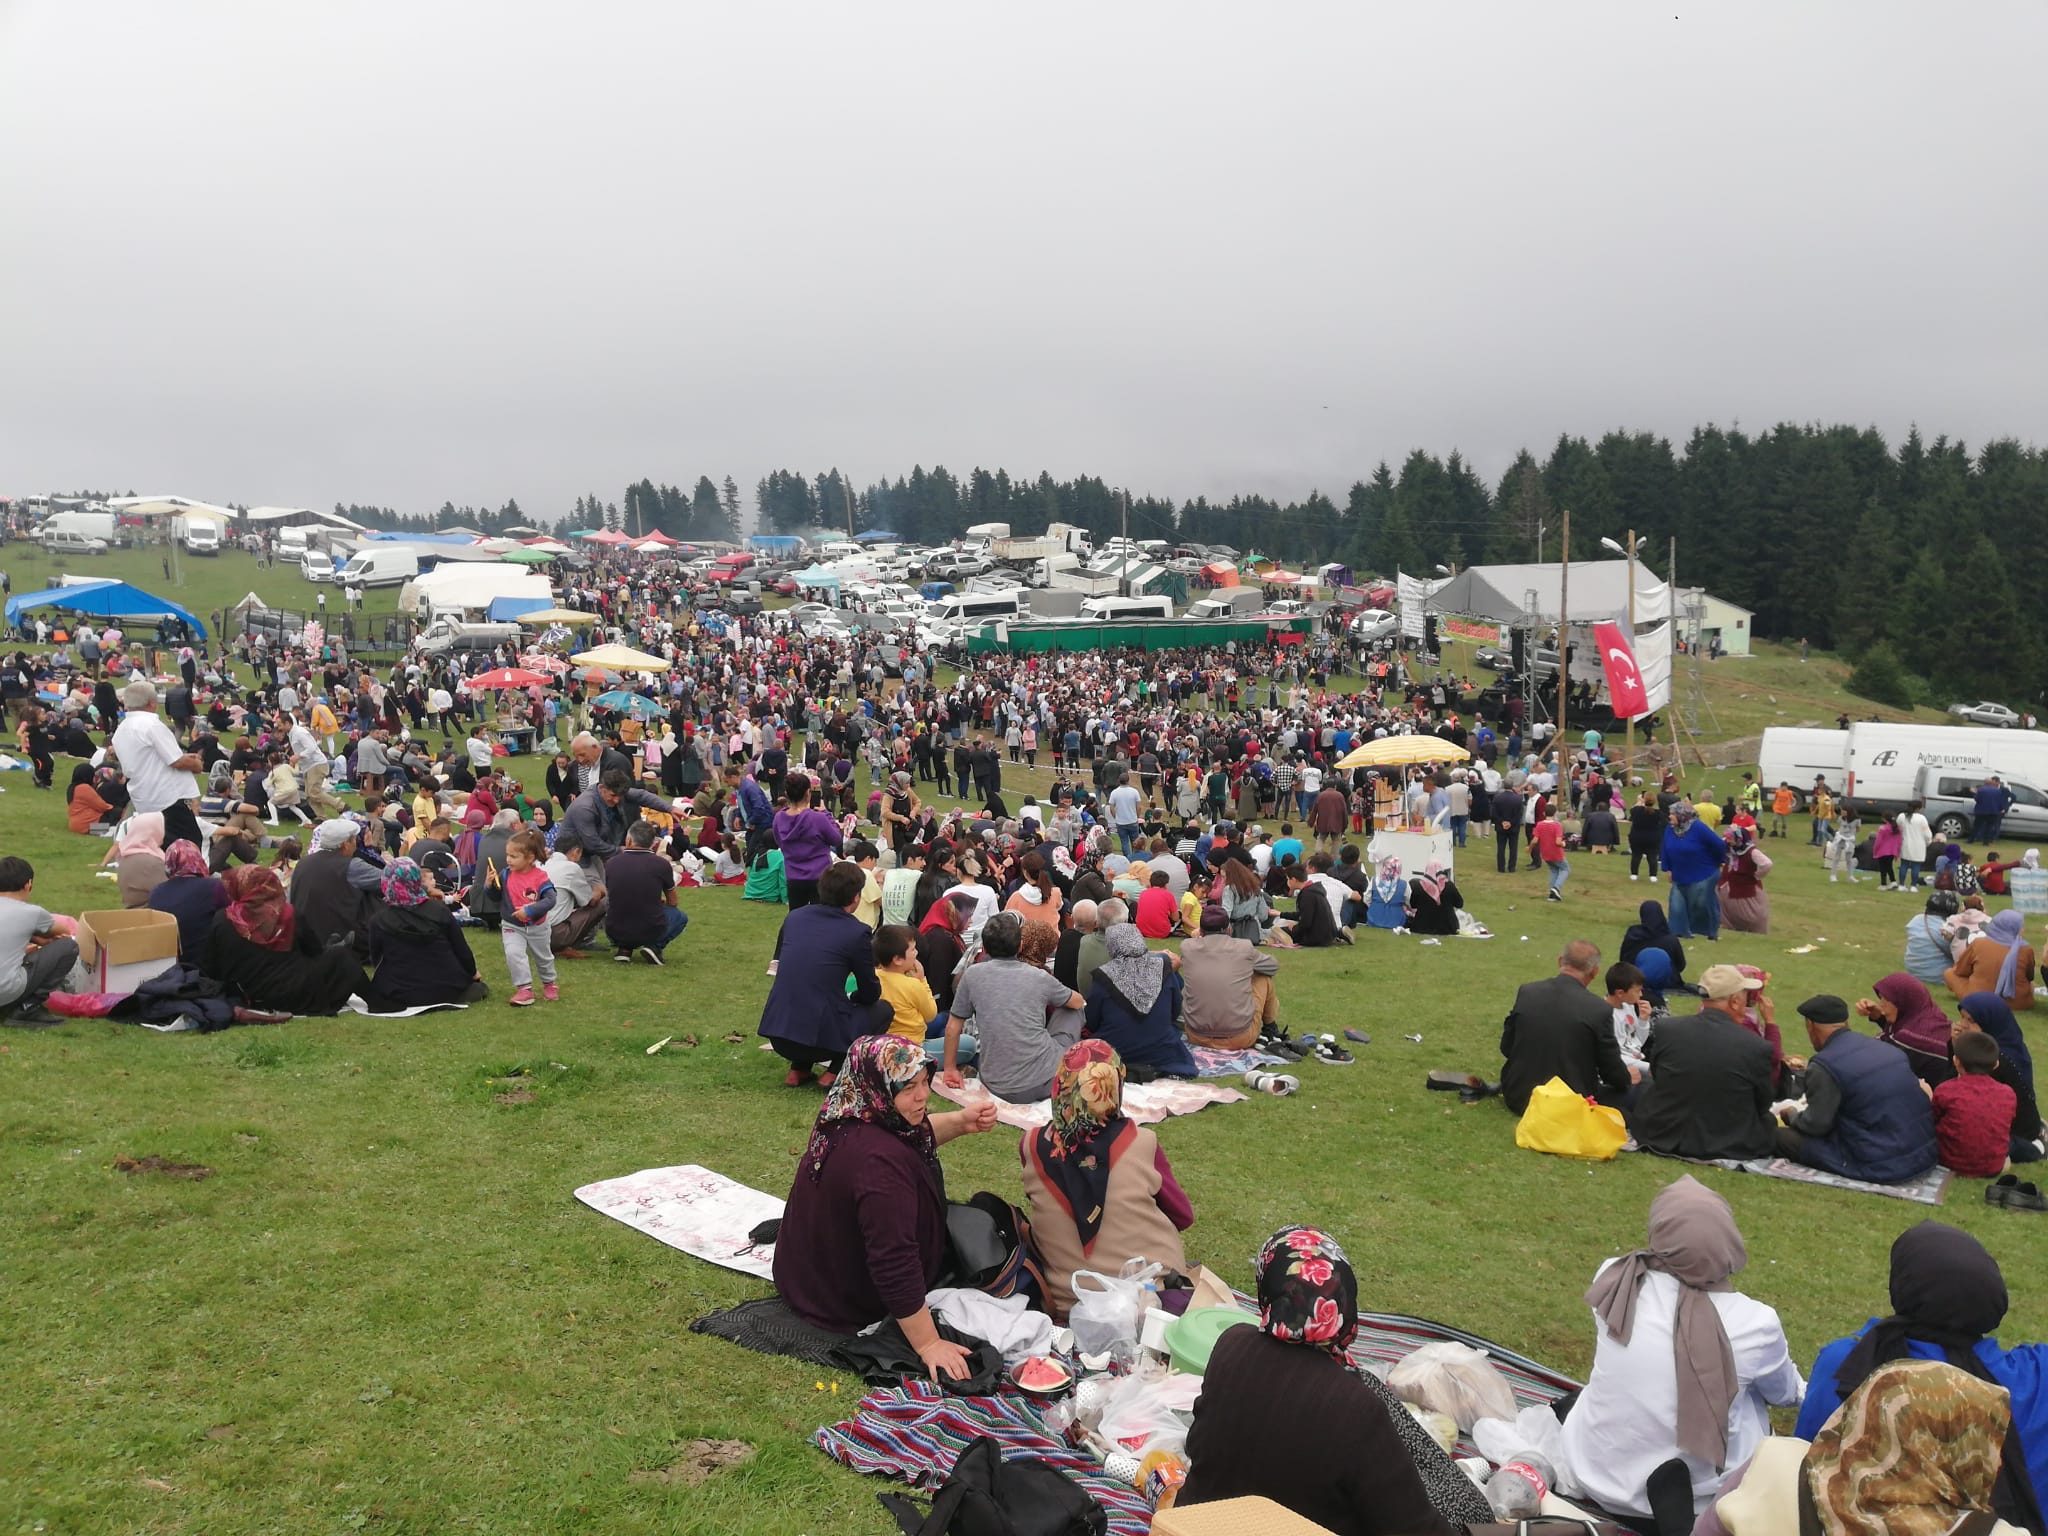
{"x":1041,"y":1374}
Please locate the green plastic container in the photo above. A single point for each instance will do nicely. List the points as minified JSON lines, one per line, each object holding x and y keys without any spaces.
{"x":1190,"y":1338}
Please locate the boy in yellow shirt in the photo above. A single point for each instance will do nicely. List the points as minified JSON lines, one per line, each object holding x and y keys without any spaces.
{"x":914,"y":1011}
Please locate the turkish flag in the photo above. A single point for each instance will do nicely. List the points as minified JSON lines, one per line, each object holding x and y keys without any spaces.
{"x":1624,"y":679}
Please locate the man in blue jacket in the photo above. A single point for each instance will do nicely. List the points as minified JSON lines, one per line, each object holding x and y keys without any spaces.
{"x":1988,"y":810}
{"x":1693,"y":856}
{"x":1866,"y":1116}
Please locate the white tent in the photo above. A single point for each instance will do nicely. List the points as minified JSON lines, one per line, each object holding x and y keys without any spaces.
{"x":1515,"y":594}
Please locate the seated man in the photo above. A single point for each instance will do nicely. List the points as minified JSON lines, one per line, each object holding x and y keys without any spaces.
{"x":580,"y":898}
{"x":1228,"y":999}
{"x":1559,"y":1028}
{"x":1709,"y":1088}
{"x":1158,"y":914}
{"x":33,"y":960}
{"x":1866,"y":1116}
{"x":1010,"y":1005}
{"x":1314,"y":925}
{"x":642,"y":918}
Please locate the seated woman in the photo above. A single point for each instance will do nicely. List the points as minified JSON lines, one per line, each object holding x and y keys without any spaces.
{"x":1433,"y":901}
{"x":1989,"y":1012}
{"x":941,"y":941}
{"x":1907,"y":1016}
{"x":418,"y":948}
{"x":1386,"y":898}
{"x":1134,"y":1004}
{"x":257,"y":951}
{"x":2001,"y":961}
{"x":1099,"y":1188}
{"x":191,"y":895}
{"x":86,"y":809}
{"x":1948,"y":1297}
{"x":1685,"y":1369}
{"x":1928,"y":933}
{"x":138,"y":857}
{"x":1652,"y":930}
{"x":864,"y":1234}
{"x":1283,"y":1414}
{"x":1244,"y":902}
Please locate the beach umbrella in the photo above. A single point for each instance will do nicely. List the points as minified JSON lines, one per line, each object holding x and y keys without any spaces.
{"x":620,"y":658}
{"x":504,"y":678}
{"x":542,"y":618}
{"x":628,"y":703}
{"x":519,"y":554}
{"x":595,"y":675}
{"x":1395,"y":751}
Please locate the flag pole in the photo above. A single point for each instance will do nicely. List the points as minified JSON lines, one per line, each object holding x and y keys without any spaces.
{"x":1628,"y":762}
{"x":1564,"y":668}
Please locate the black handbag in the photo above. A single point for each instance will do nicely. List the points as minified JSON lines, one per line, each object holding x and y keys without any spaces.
{"x":988,"y":1496}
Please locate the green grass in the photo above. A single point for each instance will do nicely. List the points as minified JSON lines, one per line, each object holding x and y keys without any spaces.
{"x":384,"y":1311}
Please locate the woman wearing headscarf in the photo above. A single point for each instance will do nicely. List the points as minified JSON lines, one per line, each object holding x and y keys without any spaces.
{"x":1134,"y":1004}
{"x":1918,"y":1446}
{"x":1906,"y":1014}
{"x":2000,"y":961}
{"x":1099,"y":1188}
{"x":1652,"y":930}
{"x":1988,"y":1012}
{"x":1386,"y":897}
{"x":418,"y":948}
{"x":863,"y":1236}
{"x":941,"y":941}
{"x":1434,"y":901}
{"x":189,"y":894}
{"x":138,"y":857}
{"x":258,"y":951}
{"x":1685,"y":1369}
{"x":1948,"y":1298}
{"x":1285,"y":1416}
{"x":1745,"y":904}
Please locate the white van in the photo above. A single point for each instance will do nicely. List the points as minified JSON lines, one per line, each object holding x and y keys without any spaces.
{"x":63,"y":541}
{"x":1127,"y":608}
{"x":1797,"y":756}
{"x":316,"y":565}
{"x":293,"y":542}
{"x":390,"y":566}
{"x":201,"y":537}
{"x":974,"y":607}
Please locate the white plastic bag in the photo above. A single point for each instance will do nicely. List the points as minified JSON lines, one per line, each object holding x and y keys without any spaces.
{"x":1533,"y":1429}
{"x":1106,"y":1308}
{"x":1455,"y":1379}
{"x":1146,"y":1416}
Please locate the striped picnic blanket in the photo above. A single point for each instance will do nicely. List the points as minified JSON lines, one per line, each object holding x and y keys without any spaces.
{"x":915,"y":1432}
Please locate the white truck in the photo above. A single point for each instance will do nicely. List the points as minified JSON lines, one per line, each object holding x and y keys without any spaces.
{"x":1127,"y":608}
{"x":380,"y":565}
{"x":1884,"y":766}
{"x":1058,"y":539}
{"x":1227,"y":603}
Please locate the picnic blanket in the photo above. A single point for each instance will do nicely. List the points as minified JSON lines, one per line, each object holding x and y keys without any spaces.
{"x":769,"y":1327}
{"x":1930,"y":1188}
{"x":914,"y":1433}
{"x":1210,"y":1063}
{"x":705,"y":1214}
{"x":1144,"y":1103}
{"x":356,"y":1004}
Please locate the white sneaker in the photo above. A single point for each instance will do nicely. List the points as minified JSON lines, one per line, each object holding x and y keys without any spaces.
{"x":1834,"y":879}
{"x":1633,"y":878}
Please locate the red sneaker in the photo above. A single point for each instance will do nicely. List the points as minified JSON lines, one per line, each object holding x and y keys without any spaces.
{"x":551,"y":992}
{"x":523,"y":998}
{"x":796,"y":1078}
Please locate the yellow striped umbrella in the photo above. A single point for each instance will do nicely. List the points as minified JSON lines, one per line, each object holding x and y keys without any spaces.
{"x":1393,"y":751}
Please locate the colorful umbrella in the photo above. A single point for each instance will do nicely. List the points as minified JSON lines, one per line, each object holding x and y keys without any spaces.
{"x":628,"y":703}
{"x":504,"y":678}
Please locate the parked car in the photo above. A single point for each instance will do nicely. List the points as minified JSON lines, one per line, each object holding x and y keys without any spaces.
{"x":60,"y":542}
{"x":1375,"y":624}
{"x":1985,"y":712}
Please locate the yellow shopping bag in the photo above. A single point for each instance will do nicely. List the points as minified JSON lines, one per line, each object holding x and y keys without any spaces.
{"x":1567,"y":1124}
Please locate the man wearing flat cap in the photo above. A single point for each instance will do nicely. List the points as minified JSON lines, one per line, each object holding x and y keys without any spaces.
{"x":1708,"y":1093}
{"x":1865,"y":1116}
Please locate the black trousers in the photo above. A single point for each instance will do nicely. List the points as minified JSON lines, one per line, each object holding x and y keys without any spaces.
{"x":1507,"y":844}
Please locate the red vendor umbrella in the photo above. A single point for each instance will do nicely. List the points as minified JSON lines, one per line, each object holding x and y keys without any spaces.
{"x":503,"y":678}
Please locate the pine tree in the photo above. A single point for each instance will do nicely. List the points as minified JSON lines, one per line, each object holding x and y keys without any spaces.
{"x":1880,"y":677}
{"x":729,"y":498}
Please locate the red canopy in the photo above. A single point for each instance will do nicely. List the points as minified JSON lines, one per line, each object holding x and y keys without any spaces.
{"x":658,"y":537}
{"x":607,"y":537}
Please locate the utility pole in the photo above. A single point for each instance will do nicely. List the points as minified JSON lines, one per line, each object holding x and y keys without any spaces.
{"x":1123,"y":580}
{"x":846,"y":490}
{"x":1564,"y":645}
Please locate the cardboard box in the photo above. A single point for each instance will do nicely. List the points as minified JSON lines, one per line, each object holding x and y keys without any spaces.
{"x":122,"y":950}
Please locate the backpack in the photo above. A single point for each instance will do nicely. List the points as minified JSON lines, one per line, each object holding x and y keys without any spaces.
{"x":987,"y":1496}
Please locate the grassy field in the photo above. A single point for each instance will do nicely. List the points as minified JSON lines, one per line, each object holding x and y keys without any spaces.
{"x":383,"y":1311}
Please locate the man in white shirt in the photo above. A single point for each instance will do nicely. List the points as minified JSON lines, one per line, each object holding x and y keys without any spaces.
{"x":581,"y":907}
{"x":159,"y":771}
{"x":1125,"y":807}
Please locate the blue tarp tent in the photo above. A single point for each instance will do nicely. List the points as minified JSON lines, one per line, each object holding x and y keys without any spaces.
{"x":102,"y":600}
{"x":878,"y":536}
{"x":504,"y":610}
{"x":817,"y":576}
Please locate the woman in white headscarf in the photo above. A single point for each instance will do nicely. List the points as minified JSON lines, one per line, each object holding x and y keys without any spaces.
{"x":1685,"y":1368}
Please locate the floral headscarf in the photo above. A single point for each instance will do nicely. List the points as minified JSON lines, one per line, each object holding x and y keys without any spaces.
{"x":257,"y":908}
{"x":403,"y":885}
{"x":182,"y":861}
{"x":1307,"y":1291}
{"x":1078,"y":1147}
{"x":877,"y":1068}
{"x":1387,"y":883}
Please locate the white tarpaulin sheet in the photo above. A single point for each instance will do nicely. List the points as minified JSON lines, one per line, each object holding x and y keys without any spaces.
{"x":1414,"y":596}
{"x":1599,"y":590}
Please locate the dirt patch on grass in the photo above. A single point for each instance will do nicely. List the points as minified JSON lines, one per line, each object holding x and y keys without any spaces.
{"x":163,"y":1166}
{"x":515,"y":1096}
{"x":695,"y":1462}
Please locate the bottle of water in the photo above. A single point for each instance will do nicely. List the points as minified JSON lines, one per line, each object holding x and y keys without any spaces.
{"x":1516,"y":1490}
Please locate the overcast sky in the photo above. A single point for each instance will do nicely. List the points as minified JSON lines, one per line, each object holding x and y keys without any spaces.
{"x":396,"y":253}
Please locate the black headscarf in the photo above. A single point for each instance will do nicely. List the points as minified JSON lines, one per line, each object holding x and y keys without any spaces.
{"x":1652,"y":930}
{"x":1947,"y":1291}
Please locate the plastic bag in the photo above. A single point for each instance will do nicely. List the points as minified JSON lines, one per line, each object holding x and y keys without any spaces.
{"x":1106,"y":1308}
{"x":1562,"y":1122}
{"x":1146,"y":1416}
{"x":1454,"y":1379}
{"x":1533,"y":1429}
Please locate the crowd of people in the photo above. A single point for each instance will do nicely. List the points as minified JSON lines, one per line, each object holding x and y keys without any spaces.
{"x":1193,"y":796}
